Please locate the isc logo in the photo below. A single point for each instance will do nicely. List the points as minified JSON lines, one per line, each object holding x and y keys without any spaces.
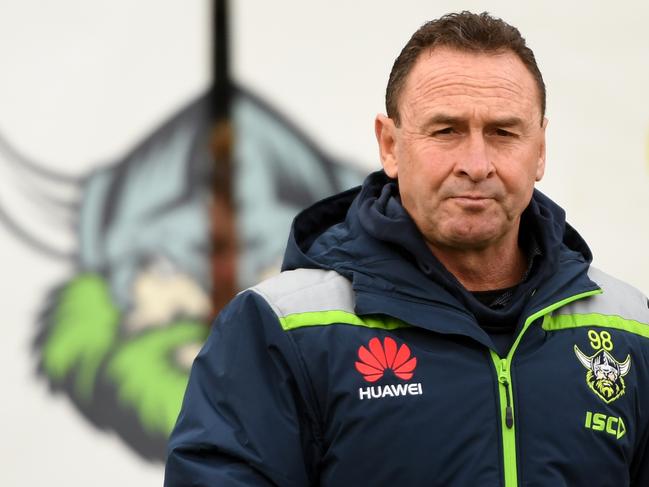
{"x":610,"y":424}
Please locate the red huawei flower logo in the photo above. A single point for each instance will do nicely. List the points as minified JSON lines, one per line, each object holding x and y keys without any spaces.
{"x":374,"y":361}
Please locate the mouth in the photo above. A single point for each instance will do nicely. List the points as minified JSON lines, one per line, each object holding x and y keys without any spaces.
{"x":471,"y":201}
{"x":473,"y":197}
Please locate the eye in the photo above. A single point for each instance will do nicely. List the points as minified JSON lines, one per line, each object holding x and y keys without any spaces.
{"x":444,"y":131}
{"x":504,"y":133}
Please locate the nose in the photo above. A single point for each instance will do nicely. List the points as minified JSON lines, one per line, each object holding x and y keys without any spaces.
{"x":474,"y":161}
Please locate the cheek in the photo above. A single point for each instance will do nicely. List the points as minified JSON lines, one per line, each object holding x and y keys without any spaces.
{"x":518,"y":178}
{"x":419,"y":184}
{"x":427,"y":166}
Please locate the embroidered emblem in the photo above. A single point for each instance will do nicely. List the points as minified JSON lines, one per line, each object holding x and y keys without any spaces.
{"x":605,"y":375}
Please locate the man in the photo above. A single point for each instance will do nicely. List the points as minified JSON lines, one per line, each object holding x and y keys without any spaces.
{"x":441,"y":325}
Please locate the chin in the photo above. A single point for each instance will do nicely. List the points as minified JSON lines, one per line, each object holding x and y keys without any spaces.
{"x":474,"y":239}
{"x":475,"y":244}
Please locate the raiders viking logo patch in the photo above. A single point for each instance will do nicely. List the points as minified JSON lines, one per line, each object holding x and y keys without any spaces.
{"x":605,"y":375}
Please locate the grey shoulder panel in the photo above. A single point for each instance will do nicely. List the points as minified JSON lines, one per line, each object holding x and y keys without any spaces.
{"x":618,"y":299}
{"x":307,"y":290}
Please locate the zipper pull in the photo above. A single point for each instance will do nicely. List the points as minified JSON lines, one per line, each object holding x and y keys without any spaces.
{"x":509,"y":411}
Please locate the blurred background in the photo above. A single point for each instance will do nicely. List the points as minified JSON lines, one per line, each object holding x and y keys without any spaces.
{"x":152,"y":155}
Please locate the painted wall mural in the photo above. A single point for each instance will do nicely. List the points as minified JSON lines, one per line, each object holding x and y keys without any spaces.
{"x":119,"y":336}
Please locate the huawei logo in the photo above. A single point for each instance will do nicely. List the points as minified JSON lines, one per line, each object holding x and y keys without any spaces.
{"x":373,"y":362}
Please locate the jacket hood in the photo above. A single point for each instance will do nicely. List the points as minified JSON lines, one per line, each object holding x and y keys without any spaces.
{"x":366,"y":235}
{"x":375,"y":208}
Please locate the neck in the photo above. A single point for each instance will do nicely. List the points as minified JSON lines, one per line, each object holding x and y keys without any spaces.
{"x":487,"y":269}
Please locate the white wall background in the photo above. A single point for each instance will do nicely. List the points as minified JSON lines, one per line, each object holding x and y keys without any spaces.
{"x":82,"y":81}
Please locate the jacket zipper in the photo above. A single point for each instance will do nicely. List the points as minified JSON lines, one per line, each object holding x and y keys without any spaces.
{"x":506,"y":391}
{"x":507,"y":416}
{"x":504,"y":379}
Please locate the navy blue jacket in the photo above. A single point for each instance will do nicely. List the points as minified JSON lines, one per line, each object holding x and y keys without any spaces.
{"x":361,"y":364}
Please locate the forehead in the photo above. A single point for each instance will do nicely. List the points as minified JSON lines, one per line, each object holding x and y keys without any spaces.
{"x":454,"y":79}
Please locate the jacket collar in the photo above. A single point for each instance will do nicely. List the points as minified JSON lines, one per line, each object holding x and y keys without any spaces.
{"x":367,"y":236}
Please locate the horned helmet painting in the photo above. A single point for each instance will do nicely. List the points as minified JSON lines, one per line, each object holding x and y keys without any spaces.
{"x":157,"y":251}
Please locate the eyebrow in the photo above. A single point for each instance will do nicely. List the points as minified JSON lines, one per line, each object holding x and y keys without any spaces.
{"x":507,"y":122}
{"x":445,"y":119}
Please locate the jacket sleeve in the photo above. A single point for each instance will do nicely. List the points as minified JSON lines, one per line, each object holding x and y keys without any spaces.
{"x":244,"y":420}
{"x":640,"y":462}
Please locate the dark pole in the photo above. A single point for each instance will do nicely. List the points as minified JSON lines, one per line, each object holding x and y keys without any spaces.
{"x":223,"y":209}
{"x":220,"y":106}
{"x":220,"y":100}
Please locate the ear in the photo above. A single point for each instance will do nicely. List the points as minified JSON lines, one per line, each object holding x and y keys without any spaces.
{"x":540,"y":168}
{"x":386,"y":136}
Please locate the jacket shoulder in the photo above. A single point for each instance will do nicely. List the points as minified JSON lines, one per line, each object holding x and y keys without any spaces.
{"x":306,"y":291}
{"x":618,"y":299}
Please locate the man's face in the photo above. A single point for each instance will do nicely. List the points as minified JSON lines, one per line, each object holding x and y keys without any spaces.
{"x":469,"y":147}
